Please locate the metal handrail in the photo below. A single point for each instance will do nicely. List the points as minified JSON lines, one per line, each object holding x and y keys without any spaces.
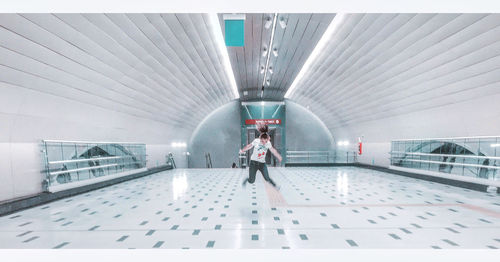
{"x":80,"y":169}
{"x":171,"y":160}
{"x":288,"y":156}
{"x":308,"y":152}
{"x":447,"y":138}
{"x":457,"y":156}
{"x":88,"y":159}
{"x":450,"y":163}
{"x":244,"y":155}
{"x":89,"y":142}
{"x":331,"y":156}
{"x":208,"y":160}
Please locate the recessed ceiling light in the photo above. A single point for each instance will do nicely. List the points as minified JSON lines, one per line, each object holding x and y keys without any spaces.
{"x":264,"y":52}
{"x":275,"y":51}
{"x":219,"y":38}
{"x":268,"y":23}
{"x":343,"y":143}
{"x":270,"y":46}
{"x":270,"y":70}
{"x":282,"y":22}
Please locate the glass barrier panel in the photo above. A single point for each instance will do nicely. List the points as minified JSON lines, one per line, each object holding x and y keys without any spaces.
{"x":72,"y":161}
{"x":476,"y":157}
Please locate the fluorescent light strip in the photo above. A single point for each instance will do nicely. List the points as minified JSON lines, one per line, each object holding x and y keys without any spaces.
{"x":332,"y":28}
{"x":343,"y":143}
{"x":180,"y":144}
{"x":269,"y":53}
{"x":217,"y":31}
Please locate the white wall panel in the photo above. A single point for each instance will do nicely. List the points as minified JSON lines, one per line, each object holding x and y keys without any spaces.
{"x":6,"y":187}
{"x":473,"y":117}
{"x":103,"y":77}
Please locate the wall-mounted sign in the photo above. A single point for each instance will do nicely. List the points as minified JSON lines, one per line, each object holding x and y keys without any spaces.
{"x":234,"y":25}
{"x":262,"y":121}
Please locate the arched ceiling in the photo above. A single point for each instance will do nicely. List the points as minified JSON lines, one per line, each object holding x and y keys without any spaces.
{"x":381,"y":65}
{"x":162,"y":67}
{"x":294,"y":38}
{"x":168,"y":67}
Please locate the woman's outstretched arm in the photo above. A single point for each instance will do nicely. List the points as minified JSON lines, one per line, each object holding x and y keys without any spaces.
{"x":246,"y":148}
{"x":275,"y":153}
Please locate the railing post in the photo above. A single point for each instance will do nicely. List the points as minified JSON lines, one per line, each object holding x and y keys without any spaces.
{"x":47,"y":175}
{"x":77,"y":173}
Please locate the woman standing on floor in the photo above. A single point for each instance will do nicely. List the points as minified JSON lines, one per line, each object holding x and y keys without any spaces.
{"x":258,"y":158}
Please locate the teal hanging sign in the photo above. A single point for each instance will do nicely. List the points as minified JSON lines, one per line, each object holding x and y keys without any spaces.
{"x":234,"y":30}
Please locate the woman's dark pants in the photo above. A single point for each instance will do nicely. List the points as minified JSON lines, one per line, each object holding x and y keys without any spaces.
{"x":252,"y":172}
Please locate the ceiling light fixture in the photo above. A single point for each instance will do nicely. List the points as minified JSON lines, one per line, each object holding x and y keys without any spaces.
{"x":219,"y":38}
{"x":332,"y":28}
{"x":343,"y":143}
{"x":271,"y":69}
{"x":262,"y":69}
{"x":180,"y":144}
{"x":275,"y":51}
{"x":270,"y":45}
{"x":268,"y":22}
{"x":282,"y":22}
{"x":264,"y":51}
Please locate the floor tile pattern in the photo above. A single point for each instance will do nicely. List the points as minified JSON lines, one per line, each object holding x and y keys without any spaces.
{"x":320,"y":207}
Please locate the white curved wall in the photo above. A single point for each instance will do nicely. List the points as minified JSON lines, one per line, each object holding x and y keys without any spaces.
{"x":28,"y":116}
{"x":474,"y":117}
{"x":147,"y":78}
{"x":218,"y":134}
{"x":396,"y":76}
{"x":305,"y":131}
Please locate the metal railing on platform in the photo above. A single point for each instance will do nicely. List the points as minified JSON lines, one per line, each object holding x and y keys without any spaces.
{"x":208,"y":160}
{"x":68,"y":163}
{"x":320,"y":157}
{"x":477,"y":157}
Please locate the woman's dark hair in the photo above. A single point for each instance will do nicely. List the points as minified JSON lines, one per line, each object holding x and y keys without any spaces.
{"x":263,"y":129}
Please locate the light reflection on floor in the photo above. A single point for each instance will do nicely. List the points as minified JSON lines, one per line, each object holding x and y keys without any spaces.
{"x":342,"y":207}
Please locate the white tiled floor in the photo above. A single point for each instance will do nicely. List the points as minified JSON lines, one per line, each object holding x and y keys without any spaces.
{"x":342,"y":207}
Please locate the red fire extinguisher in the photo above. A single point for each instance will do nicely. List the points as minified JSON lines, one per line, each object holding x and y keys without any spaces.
{"x":360,"y":146}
